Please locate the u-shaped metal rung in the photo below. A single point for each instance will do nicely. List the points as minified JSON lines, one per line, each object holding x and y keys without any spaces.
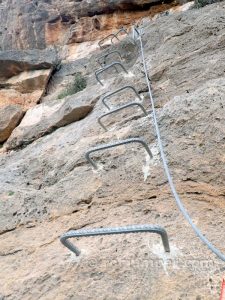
{"x":108,"y":67}
{"x":112,"y":145}
{"x":117,"y":91}
{"x":113,"y":230}
{"x":118,"y":109}
{"x":120,"y":30}
{"x":106,"y":55}
{"x":105,"y":38}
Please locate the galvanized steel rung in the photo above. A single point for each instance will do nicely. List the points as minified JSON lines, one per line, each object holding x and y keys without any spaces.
{"x":106,"y":55}
{"x":108,"y":67}
{"x":105,"y":38}
{"x":122,"y":29}
{"x":125,"y":31}
{"x":115,"y":144}
{"x":118,"y":91}
{"x":113,"y":230}
{"x":118,"y":109}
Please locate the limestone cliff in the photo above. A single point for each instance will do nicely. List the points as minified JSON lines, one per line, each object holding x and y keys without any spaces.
{"x":48,"y":187}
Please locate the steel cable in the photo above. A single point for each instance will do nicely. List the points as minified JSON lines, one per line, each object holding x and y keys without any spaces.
{"x":167,"y":171}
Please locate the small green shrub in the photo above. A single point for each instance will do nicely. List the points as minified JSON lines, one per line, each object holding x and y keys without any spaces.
{"x":202,"y":3}
{"x":76,"y":86}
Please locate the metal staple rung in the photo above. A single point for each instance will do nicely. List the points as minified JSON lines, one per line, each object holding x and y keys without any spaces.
{"x":118,"y":91}
{"x":106,"y":55}
{"x":116,"y":34}
{"x":122,"y":29}
{"x":108,"y":36}
{"x":108,"y":67}
{"x":113,"y":230}
{"x":118,"y":109}
{"x":115,"y":144}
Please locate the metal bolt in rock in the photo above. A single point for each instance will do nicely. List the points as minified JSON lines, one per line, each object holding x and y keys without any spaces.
{"x":118,"y":109}
{"x":108,"y":67}
{"x":112,"y":145}
{"x":118,"y":91}
{"x":113,"y":230}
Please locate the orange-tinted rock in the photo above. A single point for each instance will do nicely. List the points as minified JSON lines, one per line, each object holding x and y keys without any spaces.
{"x":25,"y":89}
{"x":97,"y":27}
{"x":10,"y":116}
{"x":11,"y":96}
{"x":36,"y":24}
{"x":55,"y":32}
{"x":24,"y":76}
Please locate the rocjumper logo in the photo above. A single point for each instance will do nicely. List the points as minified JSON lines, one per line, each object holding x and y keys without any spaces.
{"x":2,"y":5}
{"x":222,"y":296}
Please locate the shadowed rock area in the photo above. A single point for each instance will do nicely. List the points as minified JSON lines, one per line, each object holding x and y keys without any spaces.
{"x":48,"y":187}
{"x":14,"y":62}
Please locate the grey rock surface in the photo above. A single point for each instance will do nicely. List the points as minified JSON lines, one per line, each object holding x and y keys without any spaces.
{"x":47,"y":117}
{"x":10,"y":116}
{"x":48,"y":187}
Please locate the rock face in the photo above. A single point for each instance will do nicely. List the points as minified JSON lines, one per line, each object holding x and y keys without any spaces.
{"x":14,"y":62}
{"x":48,"y":187}
{"x":33,"y":24}
{"x":10,"y":116}
{"x":25,"y":89}
{"x":47,"y":117}
{"x":24,"y":76}
{"x":96,"y":27}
